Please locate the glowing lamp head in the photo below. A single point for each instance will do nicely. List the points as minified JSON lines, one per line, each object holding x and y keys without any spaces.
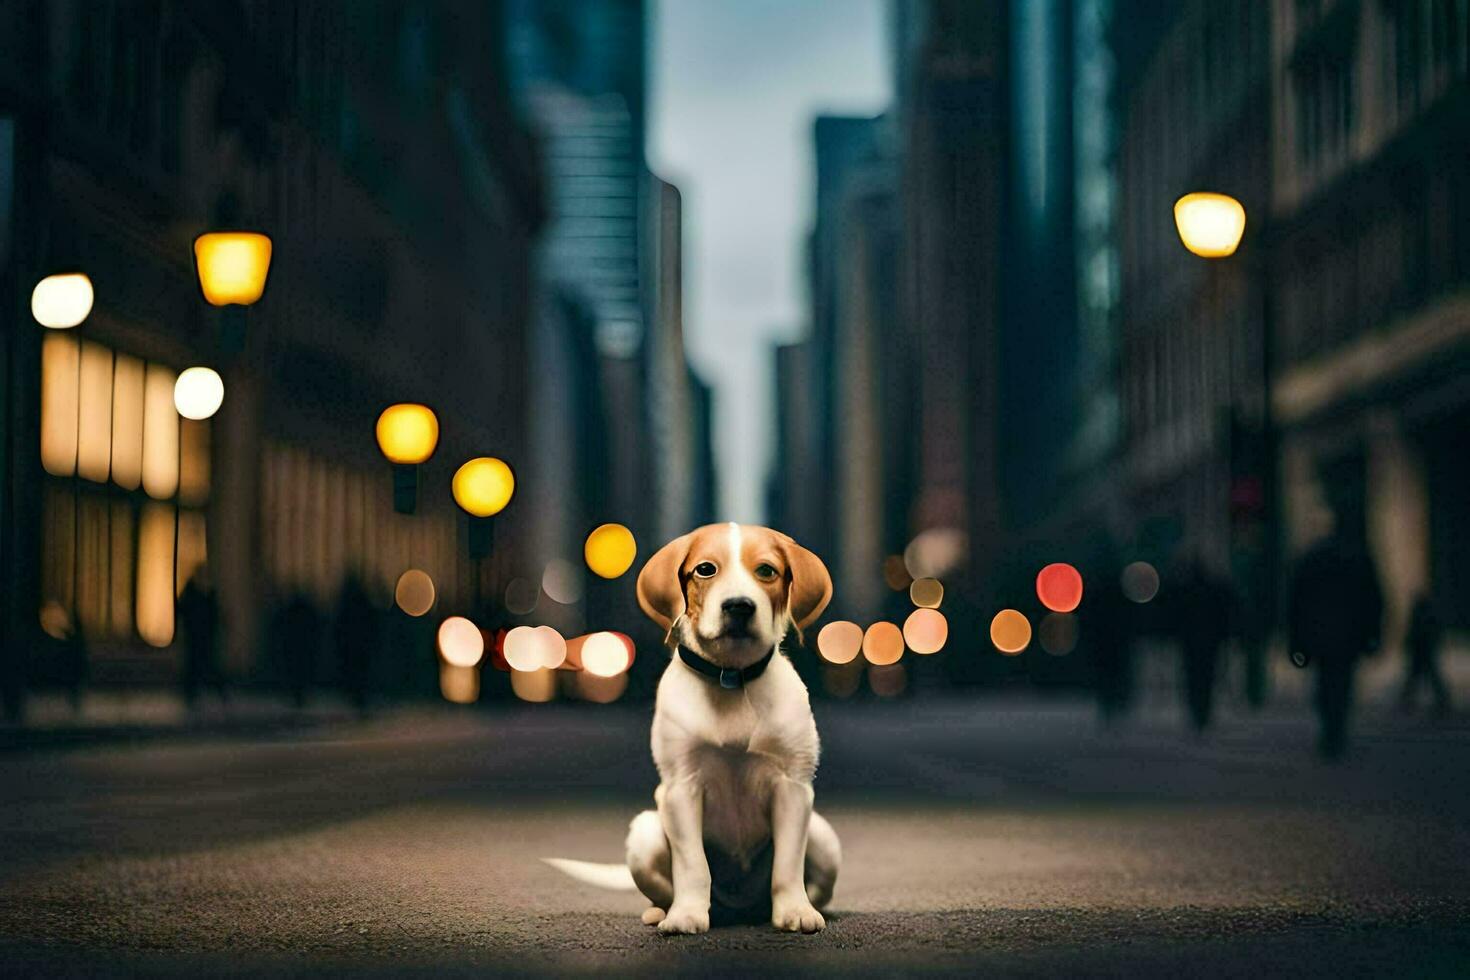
{"x":408,"y":434}
{"x":62,"y":301}
{"x":610,"y":550}
{"x":483,"y":486}
{"x":1210,"y":225}
{"x":198,"y":393}
{"x":232,"y":266}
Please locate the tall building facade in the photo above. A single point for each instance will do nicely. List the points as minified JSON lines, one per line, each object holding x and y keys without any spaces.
{"x":378,"y":148}
{"x":951,"y":115}
{"x":1339,"y":326}
{"x":618,"y":421}
{"x":1371,"y":243}
{"x":1193,"y":111}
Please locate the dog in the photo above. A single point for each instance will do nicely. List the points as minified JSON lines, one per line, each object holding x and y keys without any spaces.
{"x":733,"y":833}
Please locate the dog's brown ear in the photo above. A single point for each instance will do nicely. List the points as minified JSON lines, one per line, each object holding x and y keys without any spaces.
{"x":810,"y":588}
{"x":660,"y":588}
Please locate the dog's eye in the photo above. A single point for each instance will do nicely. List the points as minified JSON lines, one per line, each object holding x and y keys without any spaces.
{"x":765,"y":572}
{"x":705,"y":569}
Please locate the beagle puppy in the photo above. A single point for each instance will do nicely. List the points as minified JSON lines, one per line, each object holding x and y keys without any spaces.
{"x":734,"y":740}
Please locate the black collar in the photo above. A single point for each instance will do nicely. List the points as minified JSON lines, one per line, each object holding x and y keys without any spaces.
{"x":728,"y":677}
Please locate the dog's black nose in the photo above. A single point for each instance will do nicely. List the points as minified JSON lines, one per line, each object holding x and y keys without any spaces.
{"x":739,"y":608}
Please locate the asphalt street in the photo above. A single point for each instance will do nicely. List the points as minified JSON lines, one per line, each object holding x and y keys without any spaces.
{"x":979,"y":836}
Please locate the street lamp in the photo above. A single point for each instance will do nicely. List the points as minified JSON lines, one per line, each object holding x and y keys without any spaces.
{"x":1210,"y":225}
{"x":407,"y":435}
{"x":62,"y":301}
{"x":198,"y":393}
{"x":232,"y":268}
{"x":483,"y":487}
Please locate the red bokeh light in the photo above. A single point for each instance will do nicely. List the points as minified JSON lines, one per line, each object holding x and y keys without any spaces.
{"x":1059,"y":587}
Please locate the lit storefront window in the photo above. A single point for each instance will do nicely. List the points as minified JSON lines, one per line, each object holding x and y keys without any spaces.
{"x":109,"y":429}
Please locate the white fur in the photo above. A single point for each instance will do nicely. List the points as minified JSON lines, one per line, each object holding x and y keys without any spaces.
{"x":613,"y":877}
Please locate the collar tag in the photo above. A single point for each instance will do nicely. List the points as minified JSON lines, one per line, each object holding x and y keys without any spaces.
{"x":729,"y":679}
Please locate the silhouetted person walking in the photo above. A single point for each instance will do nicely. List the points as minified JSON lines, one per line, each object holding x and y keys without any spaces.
{"x":199,"y":617}
{"x":1422,"y":644}
{"x":297,"y":630}
{"x":1199,"y":608}
{"x":356,"y":633}
{"x":1335,"y":617}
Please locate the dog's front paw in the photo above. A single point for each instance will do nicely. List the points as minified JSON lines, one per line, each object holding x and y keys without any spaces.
{"x":685,"y":922}
{"x":796,"y":915}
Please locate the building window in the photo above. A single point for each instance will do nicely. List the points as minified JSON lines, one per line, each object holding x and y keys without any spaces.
{"x":127,"y":481}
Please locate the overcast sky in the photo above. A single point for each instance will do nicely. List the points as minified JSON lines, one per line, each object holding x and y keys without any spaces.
{"x":735,"y":85}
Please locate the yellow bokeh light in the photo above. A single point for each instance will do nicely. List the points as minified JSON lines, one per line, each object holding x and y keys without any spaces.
{"x":840,"y":642}
{"x":928,"y":592}
{"x":553,"y":647}
{"x":483,"y":486}
{"x":62,"y":301}
{"x":534,"y":647}
{"x":926,"y":630}
{"x":198,"y":393}
{"x":1210,"y":225}
{"x":610,"y":550}
{"x":232,"y":266}
{"x":408,"y":433}
{"x":605,"y":655}
{"x":414,"y":593}
{"x":460,"y":642}
{"x":522,"y":649}
{"x":1010,"y":631}
{"x":883,"y":644}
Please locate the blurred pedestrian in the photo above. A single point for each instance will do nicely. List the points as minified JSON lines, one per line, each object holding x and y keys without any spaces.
{"x":356,"y":632}
{"x":297,"y":639}
{"x":1422,"y":646}
{"x":1199,"y":607}
{"x":199,"y":617}
{"x":1335,"y":617}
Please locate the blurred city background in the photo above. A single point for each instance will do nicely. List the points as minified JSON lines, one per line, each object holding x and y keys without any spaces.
{"x":997,"y":353}
{"x":319,"y":543}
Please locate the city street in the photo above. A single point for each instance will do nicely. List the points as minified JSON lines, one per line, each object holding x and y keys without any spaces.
{"x":987,"y":834}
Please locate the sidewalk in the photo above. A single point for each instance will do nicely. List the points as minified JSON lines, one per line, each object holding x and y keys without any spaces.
{"x":51,"y":721}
